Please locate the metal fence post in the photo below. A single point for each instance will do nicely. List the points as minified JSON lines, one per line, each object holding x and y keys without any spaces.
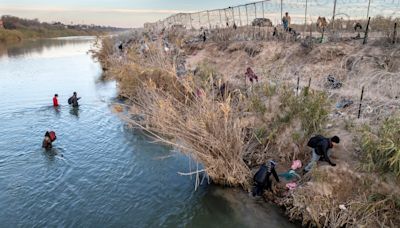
{"x":361,"y":99}
{"x":263,"y":9}
{"x":220,"y":17}
{"x":366,"y":31}
{"x":226,"y":19}
{"x":208,"y":18}
{"x":369,"y":4}
{"x":240,"y":16}
{"x":190,"y":18}
{"x":233,"y":15}
{"x":281,"y":10}
{"x":255,"y":10}
{"x":395,"y":33}
{"x":334,"y":13}
{"x":247,"y":16}
{"x":305,"y":18}
{"x":199,"y":21}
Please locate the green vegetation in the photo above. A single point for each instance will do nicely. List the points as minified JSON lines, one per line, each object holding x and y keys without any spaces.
{"x":382,"y":149}
{"x":257,"y":105}
{"x":309,"y":107}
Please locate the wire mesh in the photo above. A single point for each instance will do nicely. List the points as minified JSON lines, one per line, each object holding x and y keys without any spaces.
{"x":340,"y":16}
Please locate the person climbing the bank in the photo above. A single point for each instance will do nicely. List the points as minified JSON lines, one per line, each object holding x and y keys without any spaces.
{"x":262,"y":178}
{"x":250,"y":75}
{"x":286,"y":20}
{"x":275,"y":33}
{"x":321,"y":150}
{"x":357,"y":28}
{"x":55,"y":100}
{"x":74,"y":100}
{"x":49,"y":138}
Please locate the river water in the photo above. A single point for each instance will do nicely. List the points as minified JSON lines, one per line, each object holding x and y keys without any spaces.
{"x":100,"y":173}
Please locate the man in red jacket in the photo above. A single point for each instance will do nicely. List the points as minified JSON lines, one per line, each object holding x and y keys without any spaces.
{"x":55,"y":101}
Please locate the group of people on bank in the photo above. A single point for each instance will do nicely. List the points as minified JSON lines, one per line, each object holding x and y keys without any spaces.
{"x":321,"y":150}
{"x":50,"y":136}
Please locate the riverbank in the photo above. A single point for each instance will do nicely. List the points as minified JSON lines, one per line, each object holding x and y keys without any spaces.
{"x":194,"y":95}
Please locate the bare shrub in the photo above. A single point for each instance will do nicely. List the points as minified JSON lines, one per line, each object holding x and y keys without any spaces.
{"x":104,"y":52}
{"x":210,"y":131}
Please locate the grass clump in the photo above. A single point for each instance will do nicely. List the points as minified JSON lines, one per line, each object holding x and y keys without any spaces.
{"x":310,"y":108}
{"x":382,"y":148}
{"x":208,"y":130}
{"x":257,"y":105}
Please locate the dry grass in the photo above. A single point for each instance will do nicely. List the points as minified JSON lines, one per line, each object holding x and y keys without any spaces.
{"x":205,"y":127}
{"x":208,"y":130}
{"x":229,"y":135}
{"x":104,"y":52}
{"x":341,"y":197}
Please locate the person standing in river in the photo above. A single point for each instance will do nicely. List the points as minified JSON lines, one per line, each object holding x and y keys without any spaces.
{"x":55,"y":100}
{"x":74,"y":100}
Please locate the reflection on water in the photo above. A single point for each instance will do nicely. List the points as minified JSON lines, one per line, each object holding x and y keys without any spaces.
{"x":74,"y":111}
{"x":100,"y":173}
{"x":38,"y":47}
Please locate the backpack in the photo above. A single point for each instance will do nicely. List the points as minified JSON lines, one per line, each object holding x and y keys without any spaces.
{"x":53,"y":136}
{"x":70,"y":100}
{"x":261,"y":174}
{"x":313,"y":142}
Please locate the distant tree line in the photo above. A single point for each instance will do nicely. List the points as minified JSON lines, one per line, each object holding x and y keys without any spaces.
{"x":16,"y":23}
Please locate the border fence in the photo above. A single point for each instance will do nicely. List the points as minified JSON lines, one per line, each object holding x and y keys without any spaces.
{"x":340,"y":15}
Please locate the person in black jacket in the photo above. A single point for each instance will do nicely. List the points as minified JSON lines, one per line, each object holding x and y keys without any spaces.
{"x":74,"y":100}
{"x":321,"y":150}
{"x":262,"y":178}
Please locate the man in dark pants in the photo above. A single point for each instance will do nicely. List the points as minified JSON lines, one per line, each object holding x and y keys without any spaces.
{"x":262,"y":178}
{"x":74,"y":100}
{"x":321,"y":149}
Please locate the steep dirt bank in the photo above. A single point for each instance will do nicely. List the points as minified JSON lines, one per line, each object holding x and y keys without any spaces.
{"x":211,"y":112}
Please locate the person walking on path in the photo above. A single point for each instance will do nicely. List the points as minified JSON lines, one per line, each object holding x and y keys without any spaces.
{"x":286,"y":20}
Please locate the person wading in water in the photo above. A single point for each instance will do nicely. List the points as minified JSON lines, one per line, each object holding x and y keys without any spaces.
{"x":74,"y":100}
{"x":48,"y":140}
{"x":55,"y":101}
